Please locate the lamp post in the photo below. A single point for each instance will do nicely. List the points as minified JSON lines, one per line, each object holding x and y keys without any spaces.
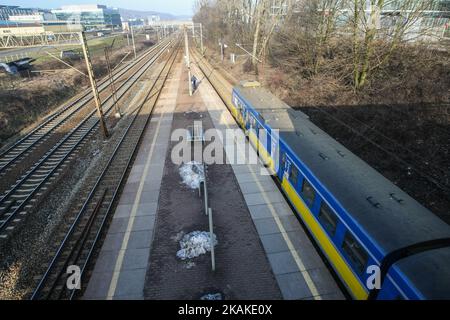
{"x":188,"y":61}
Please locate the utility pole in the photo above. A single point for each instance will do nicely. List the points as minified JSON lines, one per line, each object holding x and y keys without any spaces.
{"x":201,"y":39}
{"x":188,"y":61}
{"x":193,"y":32}
{"x":221,"y":49}
{"x":98,"y":103}
{"x":111,"y":81}
{"x":132,"y":39}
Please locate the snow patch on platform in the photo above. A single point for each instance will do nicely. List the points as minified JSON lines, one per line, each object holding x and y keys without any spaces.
{"x":195,"y":244}
{"x":192,"y":174}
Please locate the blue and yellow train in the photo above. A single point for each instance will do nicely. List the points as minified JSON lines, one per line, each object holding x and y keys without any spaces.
{"x":381,"y":242}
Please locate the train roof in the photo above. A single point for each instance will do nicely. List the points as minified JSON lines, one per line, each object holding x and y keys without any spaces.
{"x":387,"y":214}
{"x":263,"y":99}
{"x":433,"y":285}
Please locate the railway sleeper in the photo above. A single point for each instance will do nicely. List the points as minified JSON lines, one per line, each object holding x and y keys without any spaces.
{"x":41,"y":174}
{"x":19,"y":196}
{"x":30,"y":185}
{"x":25,"y":190}
{"x":53,"y":161}
{"x":5,"y":215}
{"x":6,"y":159}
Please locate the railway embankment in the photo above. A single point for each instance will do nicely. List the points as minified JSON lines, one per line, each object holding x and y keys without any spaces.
{"x":401,"y":127}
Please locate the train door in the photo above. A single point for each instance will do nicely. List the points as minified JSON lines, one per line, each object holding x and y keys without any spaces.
{"x":275,"y":152}
{"x":284,"y":167}
{"x":237,"y":107}
{"x":246,"y":120}
{"x":239,"y":115}
{"x":264,"y":145}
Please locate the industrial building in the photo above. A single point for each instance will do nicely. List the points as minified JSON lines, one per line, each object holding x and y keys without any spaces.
{"x":90,"y":16}
{"x":36,"y":17}
{"x":7,"y":11}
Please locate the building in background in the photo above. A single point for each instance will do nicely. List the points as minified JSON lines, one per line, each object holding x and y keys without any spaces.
{"x":90,"y":16}
{"x":154,"y":19}
{"x":430,"y":25}
{"x":37,"y":17}
{"x":135,"y":23}
{"x":7,"y":11}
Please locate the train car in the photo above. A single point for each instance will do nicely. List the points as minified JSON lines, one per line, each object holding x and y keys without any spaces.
{"x":363,"y":223}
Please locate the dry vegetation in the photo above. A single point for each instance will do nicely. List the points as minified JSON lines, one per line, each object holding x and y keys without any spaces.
{"x":307,"y":52}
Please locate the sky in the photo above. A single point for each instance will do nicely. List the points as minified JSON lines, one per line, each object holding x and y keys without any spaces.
{"x":177,"y":7}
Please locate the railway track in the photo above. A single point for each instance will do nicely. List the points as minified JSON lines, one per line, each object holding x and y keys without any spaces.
{"x":79,"y":243}
{"x":13,"y":155}
{"x":20,"y":199}
{"x":431,"y":176}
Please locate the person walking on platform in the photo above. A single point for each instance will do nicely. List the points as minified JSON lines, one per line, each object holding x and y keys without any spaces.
{"x":194,"y":83}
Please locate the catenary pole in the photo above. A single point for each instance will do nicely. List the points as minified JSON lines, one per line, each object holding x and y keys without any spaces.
{"x":98,"y":103}
{"x":188,"y":61}
{"x":134,"y":44}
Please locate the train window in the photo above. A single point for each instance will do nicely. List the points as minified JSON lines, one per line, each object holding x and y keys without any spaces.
{"x":328,"y":218}
{"x":283,"y":161}
{"x":308,"y":192}
{"x":252,"y":122}
{"x":294,"y":175}
{"x":355,"y":252}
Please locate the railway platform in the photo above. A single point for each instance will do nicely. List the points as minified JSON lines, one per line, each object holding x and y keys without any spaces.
{"x":262,"y":250}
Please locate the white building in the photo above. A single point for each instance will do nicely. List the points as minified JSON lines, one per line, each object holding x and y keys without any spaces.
{"x":91,"y":16}
{"x":154,"y":19}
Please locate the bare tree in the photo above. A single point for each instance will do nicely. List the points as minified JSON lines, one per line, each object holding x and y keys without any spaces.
{"x":268,"y":15}
{"x":307,"y":33}
{"x":373,"y":43}
{"x":304,"y":37}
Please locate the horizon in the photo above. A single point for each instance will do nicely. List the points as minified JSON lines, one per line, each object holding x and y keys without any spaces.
{"x":173,"y":7}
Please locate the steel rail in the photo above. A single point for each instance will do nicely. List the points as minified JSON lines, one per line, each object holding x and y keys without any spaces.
{"x":34,"y":137}
{"x":56,"y":164}
{"x":95,"y":188}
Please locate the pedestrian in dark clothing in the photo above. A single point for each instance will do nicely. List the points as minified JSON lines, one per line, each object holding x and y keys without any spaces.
{"x":194,"y":83}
